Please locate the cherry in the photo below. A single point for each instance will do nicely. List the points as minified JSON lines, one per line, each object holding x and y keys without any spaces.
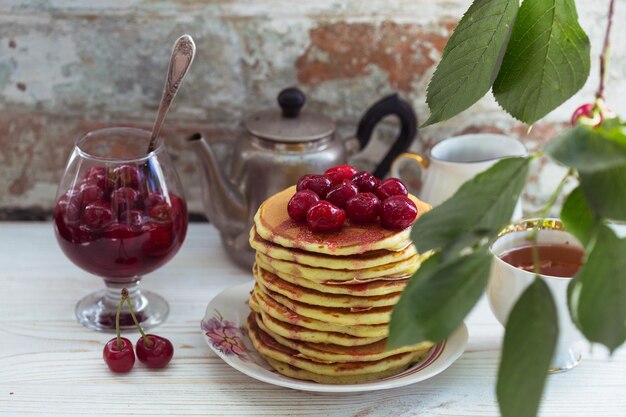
{"x":304,"y":181}
{"x":325,"y":217}
{"x":397,"y":212}
{"x":74,"y":195}
{"x":118,"y":354}
{"x":66,"y":216}
{"x":161,"y":212}
{"x":132,"y":218}
{"x":363,"y":208}
{"x":96,"y":171}
{"x":179,"y":210}
{"x":591,"y":114}
{"x":341,"y":193}
{"x":119,"y":231}
{"x":97,"y":214}
{"x":300,"y":204}
{"x":100,"y":176}
{"x":123,"y":199}
{"x":390,"y":187}
{"x":160,"y":239}
{"x":366,"y":182}
{"x":127,"y":176}
{"x":98,"y":180}
{"x":154,"y":351}
{"x":319,"y":184}
{"x":585,"y":115}
{"x":68,"y":207}
{"x":340,"y":173}
{"x":154,"y":199}
{"x":90,"y":193}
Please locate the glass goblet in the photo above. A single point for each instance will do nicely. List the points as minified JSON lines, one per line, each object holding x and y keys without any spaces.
{"x":120,"y":213}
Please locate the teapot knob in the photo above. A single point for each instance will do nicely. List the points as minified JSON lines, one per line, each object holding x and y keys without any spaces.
{"x":291,"y":101}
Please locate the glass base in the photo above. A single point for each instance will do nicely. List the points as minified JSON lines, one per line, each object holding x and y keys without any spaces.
{"x":97,"y":310}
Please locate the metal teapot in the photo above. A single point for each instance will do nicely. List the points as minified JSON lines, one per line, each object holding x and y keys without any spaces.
{"x":279,"y":146}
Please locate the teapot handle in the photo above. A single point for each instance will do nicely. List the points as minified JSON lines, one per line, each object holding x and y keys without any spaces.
{"x":408,"y":128}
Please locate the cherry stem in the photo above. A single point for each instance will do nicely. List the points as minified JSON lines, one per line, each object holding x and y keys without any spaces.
{"x":605,"y":50}
{"x":117,"y":320}
{"x":146,"y":340}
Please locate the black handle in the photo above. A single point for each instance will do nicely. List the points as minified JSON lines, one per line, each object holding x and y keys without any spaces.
{"x":291,"y":101}
{"x":408,"y":128}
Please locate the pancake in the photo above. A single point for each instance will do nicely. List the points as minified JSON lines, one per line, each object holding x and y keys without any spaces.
{"x":405,"y":267}
{"x":334,"y":315}
{"x":269,"y":348}
{"x":358,"y":261}
{"x":297,"y":373}
{"x":274,"y":224}
{"x":314,"y":297}
{"x":355,"y":288}
{"x":323,"y":301}
{"x":329,"y":353}
{"x":260,"y":302}
{"x":294,"y":332}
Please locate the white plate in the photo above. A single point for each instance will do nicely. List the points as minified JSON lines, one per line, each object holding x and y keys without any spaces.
{"x":223,"y":327}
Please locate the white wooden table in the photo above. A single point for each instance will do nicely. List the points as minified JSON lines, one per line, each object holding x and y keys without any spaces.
{"x":50,"y":365}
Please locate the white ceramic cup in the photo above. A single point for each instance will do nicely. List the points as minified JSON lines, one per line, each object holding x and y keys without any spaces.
{"x":453,"y":161}
{"x":507,"y":283}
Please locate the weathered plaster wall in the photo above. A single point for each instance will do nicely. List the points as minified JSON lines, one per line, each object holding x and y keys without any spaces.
{"x":68,"y":66}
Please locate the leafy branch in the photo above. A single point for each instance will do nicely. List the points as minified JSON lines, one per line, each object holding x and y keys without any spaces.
{"x":533,"y":57}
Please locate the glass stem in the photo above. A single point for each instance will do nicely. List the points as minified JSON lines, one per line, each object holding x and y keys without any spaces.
{"x":114,"y":289}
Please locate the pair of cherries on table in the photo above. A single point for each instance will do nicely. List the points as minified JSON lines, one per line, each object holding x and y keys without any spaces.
{"x":325,"y":201}
{"x":152,"y":350}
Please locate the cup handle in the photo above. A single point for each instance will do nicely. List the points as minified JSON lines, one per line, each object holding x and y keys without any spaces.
{"x":395,"y":165}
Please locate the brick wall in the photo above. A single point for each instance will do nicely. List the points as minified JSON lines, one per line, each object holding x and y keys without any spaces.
{"x":69,"y":66}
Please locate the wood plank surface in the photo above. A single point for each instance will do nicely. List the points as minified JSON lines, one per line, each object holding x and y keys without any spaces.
{"x":52,"y":366}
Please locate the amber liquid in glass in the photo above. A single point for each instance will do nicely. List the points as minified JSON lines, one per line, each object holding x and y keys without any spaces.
{"x":561,"y":261}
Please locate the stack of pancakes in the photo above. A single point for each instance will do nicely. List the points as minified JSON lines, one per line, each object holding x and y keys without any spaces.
{"x":322,"y":301}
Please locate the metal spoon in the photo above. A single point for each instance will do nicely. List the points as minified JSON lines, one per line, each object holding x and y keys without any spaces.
{"x":182,"y":55}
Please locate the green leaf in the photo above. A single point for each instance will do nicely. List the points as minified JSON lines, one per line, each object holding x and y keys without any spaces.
{"x":599,"y":155}
{"x":529,"y":343}
{"x":589,"y":149}
{"x":546,"y":61}
{"x":471,"y":58}
{"x":578,"y":218}
{"x":481,"y":207}
{"x":438,"y":297}
{"x":606,"y":192}
{"x":598,"y":292}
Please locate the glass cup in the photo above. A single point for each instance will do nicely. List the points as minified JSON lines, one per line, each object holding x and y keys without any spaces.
{"x":507,"y":283}
{"x":120,"y":213}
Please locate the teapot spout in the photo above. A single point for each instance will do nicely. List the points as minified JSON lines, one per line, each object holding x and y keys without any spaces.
{"x":225,"y":205}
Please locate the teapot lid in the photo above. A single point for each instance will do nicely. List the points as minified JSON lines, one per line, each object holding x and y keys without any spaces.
{"x":289,"y":123}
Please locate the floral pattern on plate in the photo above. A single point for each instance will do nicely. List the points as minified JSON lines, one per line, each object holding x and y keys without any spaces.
{"x":224,"y":332}
{"x":225,"y":336}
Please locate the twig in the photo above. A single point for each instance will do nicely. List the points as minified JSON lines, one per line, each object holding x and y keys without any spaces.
{"x":545,"y":211}
{"x":605,"y":50}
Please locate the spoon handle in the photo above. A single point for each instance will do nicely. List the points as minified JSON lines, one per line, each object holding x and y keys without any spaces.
{"x":182,"y":55}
